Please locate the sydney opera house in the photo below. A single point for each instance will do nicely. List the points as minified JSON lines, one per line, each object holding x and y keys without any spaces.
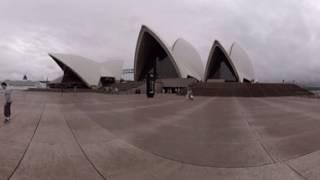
{"x":183,"y":61}
{"x":175,"y":66}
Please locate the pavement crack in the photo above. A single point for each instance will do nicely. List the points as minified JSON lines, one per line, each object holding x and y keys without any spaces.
{"x":295,"y":171}
{"x":28,"y":146}
{"x":83,"y":151}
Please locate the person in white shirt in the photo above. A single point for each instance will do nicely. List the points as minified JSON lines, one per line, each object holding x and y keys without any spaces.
{"x":8,"y":102}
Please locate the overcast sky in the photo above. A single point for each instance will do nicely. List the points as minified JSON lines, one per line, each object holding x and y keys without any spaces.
{"x":281,"y":36}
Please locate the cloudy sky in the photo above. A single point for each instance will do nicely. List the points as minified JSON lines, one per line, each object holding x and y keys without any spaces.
{"x":281,"y":36}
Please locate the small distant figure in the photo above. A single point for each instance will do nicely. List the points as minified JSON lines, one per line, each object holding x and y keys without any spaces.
{"x":61,"y":90}
{"x":116,"y":90}
{"x":75,"y":90}
{"x":189,"y":95}
{"x":8,"y":102}
{"x":138,"y":91}
{"x":178,"y":91}
{"x":25,"y":77}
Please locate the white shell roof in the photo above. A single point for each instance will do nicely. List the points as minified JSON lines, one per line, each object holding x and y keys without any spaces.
{"x":242,"y":63}
{"x":163,"y":44}
{"x":183,"y":55}
{"x":218,"y":46}
{"x":112,"y":68}
{"x":188,"y":59}
{"x":90,"y":71}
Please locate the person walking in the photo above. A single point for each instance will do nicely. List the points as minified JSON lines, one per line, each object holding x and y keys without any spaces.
{"x":8,"y":102}
{"x":189,"y":95}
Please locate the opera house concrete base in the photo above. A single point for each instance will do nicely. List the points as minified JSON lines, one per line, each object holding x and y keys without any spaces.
{"x":248,"y":90}
{"x":214,"y":89}
{"x":97,"y":136}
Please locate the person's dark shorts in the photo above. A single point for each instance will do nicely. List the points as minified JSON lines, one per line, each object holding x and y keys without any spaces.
{"x":7,"y":110}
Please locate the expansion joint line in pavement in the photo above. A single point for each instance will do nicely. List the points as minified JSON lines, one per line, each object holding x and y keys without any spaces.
{"x":28,"y":146}
{"x":295,"y":171}
{"x":83,"y":151}
{"x":244,"y":110}
{"x":287,"y":164}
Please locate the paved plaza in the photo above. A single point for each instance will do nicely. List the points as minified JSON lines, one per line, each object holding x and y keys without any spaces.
{"x":95,"y":136}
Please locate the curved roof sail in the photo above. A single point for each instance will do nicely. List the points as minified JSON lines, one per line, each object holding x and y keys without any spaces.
{"x":152,"y":50}
{"x":243,"y":63}
{"x":220,"y":65}
{"x":84,"y":70}
{"x":112,"y":68}
{"x":188,"y":59}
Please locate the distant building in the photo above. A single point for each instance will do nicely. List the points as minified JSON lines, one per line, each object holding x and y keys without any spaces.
{"x":128,"y":74}
{"x":24,"y":84}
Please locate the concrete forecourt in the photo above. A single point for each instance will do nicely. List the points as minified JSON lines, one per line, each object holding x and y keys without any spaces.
{"x":97,"y":136}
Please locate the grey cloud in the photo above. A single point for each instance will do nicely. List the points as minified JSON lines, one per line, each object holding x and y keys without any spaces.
{"x":282,"y":37}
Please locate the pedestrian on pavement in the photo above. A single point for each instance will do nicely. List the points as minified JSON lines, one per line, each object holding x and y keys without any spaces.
{"x":189,"y":94}
{"x":8,"y":102}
